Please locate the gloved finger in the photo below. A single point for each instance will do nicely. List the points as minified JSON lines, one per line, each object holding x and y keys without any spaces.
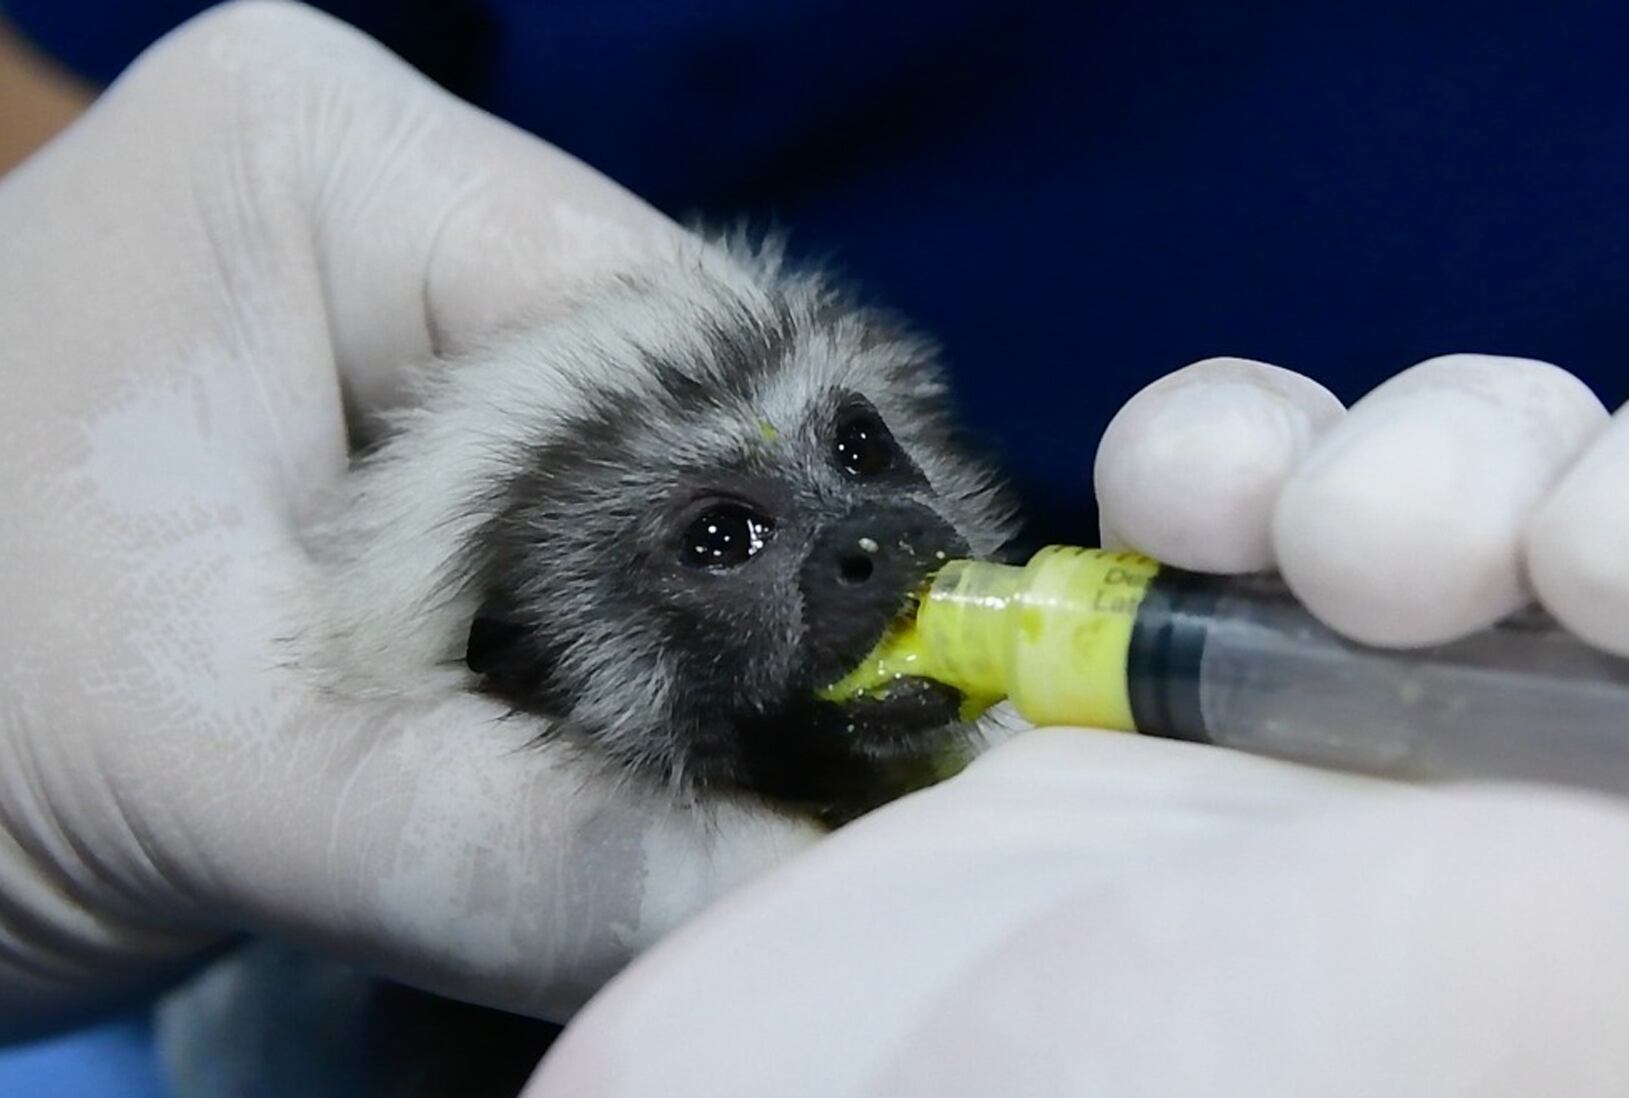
{"x":423,"y":222}
{"x":1190,"y":468}
{"x":1404,"y":526}
{"x":194,"y":781}
{"x":1578,"y":544}
{"x":987,"y":931}
{"x":445,"y":847}
{"x":955,"y":869}
{"x":286,"y":194}
{"x":1465,"y":939}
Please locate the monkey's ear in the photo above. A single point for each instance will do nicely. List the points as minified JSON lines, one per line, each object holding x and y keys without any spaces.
{"x":512,"y":660}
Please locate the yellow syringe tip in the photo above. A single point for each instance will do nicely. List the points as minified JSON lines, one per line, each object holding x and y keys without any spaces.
{"x":898,"y":655}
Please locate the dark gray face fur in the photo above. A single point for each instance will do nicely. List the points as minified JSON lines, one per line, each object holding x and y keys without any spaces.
{"x":724,"y":523}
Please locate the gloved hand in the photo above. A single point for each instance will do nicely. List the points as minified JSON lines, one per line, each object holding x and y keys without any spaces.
{"x":266,"y":212}
{"x":1089,"y":913}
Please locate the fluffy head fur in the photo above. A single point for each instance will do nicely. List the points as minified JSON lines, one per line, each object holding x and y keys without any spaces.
{"x":523,"y":528}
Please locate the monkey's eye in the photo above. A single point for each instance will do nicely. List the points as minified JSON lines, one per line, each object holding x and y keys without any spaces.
{"x":864,"y":448}
{"x":727,"y":535}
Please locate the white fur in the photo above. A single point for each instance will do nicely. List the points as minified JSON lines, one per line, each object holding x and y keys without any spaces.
{"x":393,"y":590}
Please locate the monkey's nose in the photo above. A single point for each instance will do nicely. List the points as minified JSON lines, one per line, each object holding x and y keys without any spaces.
{"x":856,"y":566}
{"x":886,"y":543}
{"x":859,"y":573}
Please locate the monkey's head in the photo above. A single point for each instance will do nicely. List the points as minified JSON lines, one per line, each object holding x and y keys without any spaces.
{"x":694,"y":503}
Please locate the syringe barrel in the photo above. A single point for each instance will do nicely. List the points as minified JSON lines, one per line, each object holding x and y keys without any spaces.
{"x":1239,"y":662}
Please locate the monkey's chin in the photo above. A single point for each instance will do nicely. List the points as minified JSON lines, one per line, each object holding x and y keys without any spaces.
{"x":840,"y":760}
{"x":912,"y":717}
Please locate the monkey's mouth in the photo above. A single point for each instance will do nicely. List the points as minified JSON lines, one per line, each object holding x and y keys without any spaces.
{"x":887,"y":706}
{"x":907,"y":717}
{"x":891,"y":668}
{"x":846,"y":757}
{"x":880,"y":726}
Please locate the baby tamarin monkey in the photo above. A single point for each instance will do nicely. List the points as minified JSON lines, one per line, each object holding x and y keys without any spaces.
{"x":657,"y":526}
{"x":661,"y":524}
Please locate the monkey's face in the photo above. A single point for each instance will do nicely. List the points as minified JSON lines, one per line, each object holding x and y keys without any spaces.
{"x":739,"y":500}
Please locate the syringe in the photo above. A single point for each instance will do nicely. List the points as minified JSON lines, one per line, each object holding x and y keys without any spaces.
{"x":1116,"y":641}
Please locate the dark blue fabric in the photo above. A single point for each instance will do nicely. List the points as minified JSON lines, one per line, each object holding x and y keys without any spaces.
{"x":112,"y":1060}
{"x":1078,"y":197}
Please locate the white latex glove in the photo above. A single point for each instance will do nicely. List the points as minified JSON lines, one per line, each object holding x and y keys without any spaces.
{"x":1085,"y":913}
{"x":267,"y":209}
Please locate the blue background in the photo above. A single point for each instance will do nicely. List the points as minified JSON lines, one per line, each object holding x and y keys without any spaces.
{"x":111,"y":1060}
{"x":1076,"y":198}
